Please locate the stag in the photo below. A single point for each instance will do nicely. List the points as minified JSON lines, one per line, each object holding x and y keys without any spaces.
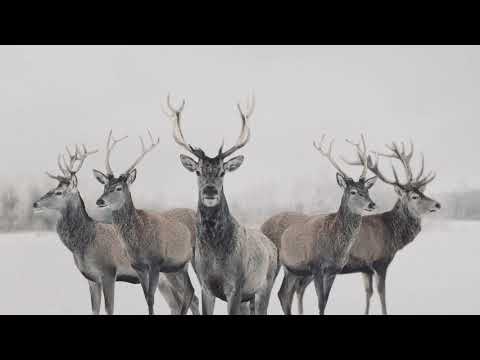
{"x":156,"y":242}
{"x":318,"y":246}
{"x":233,"y":263}
{"x":97,"y":251}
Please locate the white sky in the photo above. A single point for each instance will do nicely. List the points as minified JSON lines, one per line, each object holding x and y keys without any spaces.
{"x":56,"y":95}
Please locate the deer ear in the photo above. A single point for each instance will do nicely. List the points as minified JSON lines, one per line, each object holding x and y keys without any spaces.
{"x":341,"y":181}
{"x":131,"y":176}
{"x":400,"y":192}
{"x":101,"y":177}
{"x":188,"y":163}
{"x":370,"y":182}
{"x":233,"y":164}
{"x":422,"y":188}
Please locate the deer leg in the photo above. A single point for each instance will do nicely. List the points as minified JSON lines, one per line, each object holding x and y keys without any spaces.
{"x":108,"y":284}
{"x":318,"y":280}
{"x":287,"y":290}
{"x":234,"y":301}
{"x":381,"y":274}
{"x":328,"y":281}
{"x":208,"y":303}
{"x":153,"y":278}
{"x":188,"y":291}
{"x":245,"y":308}
{"x":194,"y":306}
{"x":262,"y":299}
{"x":170,"y":295}
{"x":252,"y":306}
{"x":367,"y":281}
{"x":300,"y":291}
{"x":95,"y":296}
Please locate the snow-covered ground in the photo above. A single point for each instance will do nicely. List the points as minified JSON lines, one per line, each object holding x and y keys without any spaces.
{"x":437,"y":274}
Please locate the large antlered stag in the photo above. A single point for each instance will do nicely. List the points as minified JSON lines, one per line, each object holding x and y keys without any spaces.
{"x":233,"y":263}
{"x":156,"y":242}
{"x":318,"y":246}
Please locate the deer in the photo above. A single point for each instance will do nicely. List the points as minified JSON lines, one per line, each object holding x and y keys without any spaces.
{"x":233,"y":263}
{"x":97,"y":251}
{"x":383,"y":235}
{"x":155,"y":242}
{"x":318,"y":246}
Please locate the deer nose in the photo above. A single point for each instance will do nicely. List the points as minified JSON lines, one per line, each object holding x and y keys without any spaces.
{"x":35,"y":205}
{"x":210,"y":190}
{"x":438,"y":206}
{"x":100,"y":202}
{"x":371,"y":205}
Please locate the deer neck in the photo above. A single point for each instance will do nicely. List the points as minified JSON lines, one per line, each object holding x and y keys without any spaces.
{"x":216,"y":226}
{"x":404,"y":225}
{"x":347,"y":223}
{"x":76,"y":228}
{"x":126,"y":218}
{"x":346,"y":226}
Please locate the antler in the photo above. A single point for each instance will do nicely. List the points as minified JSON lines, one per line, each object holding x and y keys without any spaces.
{"x":328,"y":154}
{"x":244,"y":132}
{"x":145,"y":151}
{"x":405,"y":158}
{"x":68,"y":169}
{"x":80,"y":156}
{"x":111,"y":142}
{"x":361,"y":154}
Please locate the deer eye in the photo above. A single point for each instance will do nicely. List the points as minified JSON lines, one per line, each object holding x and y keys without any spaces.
{"x":118,"y":188}
{"x":415,"y":197}
{"x":353,"y":192}
{"x":58,"y":193}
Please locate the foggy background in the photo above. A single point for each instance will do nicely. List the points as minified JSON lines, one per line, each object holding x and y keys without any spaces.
{"x":52,"y":96}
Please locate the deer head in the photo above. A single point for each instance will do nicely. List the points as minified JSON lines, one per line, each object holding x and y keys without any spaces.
{"x":58,"y":197}
{"x":117,"y":189}
{"x":210,"y":171}
{"x":411,"y":191}
{"x":355,"y":193}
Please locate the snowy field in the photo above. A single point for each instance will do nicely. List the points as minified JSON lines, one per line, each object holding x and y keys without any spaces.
{"x":437,"y":274}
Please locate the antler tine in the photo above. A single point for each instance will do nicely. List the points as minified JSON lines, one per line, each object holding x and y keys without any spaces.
{"x":145,"y":151}
{"x":60,"y":166}
{"x":58,"y":178}
{"x":80,"y":157}
{"x":328,"y":154}
{"x":111,"y":143}
{"x":373,"y":167}
{"x":361,"y":154}
{"x":175,"y":115}
{"x":244,"y":136}
{"x":420,"y":173}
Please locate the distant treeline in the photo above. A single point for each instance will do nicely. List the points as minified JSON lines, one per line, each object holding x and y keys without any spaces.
{"x":16,"y":212}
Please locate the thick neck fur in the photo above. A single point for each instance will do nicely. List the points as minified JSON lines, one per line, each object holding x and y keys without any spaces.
{"x":216,"y":226}
{"x":75,"y":227}
{"x":403,"y":224}
{"x":345,"y":226}
{"x":125,"y":217}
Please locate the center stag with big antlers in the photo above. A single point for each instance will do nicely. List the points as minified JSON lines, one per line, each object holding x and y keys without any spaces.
{"x":156,"y":242}
{"x":233,"y":263}
{"x":318,"y":246}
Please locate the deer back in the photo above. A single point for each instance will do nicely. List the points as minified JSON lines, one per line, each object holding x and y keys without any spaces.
{"x":162,"y":237}
{"x":185,"y":216}
{"x":276,"y":225}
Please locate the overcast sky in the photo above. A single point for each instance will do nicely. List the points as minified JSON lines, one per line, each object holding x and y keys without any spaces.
{"x":51,"y":96}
